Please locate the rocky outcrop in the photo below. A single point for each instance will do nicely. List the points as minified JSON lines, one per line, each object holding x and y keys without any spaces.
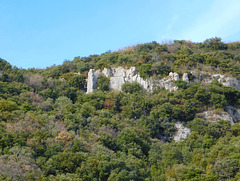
{"x":118,"y":76}
{"x":230,"y":82}
{"x":182,"y":132}
{"x":92,"y":80}
{"x":234,"y":113}
{"x":185,"y":77}
{"x":208,"y":78}
{"x":215,"y":115}
{"x":168,"y":82}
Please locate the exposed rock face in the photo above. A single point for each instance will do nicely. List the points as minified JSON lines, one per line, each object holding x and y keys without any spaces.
{"x":182,"y":132}
{"x":185,"y":77}
{"x":208,"y":78}
{"x":216,"y":116}
{"x":118,"y":76}
{"x":234,"y":113}
{"x":230,"y":82}
{"x":226,"y":81}
{"x":92,"y":80}
{"x":168,"y":83}
{"x":173,"y":76}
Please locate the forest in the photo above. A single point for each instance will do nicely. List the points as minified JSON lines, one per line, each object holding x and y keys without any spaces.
{"x":50,"y":129}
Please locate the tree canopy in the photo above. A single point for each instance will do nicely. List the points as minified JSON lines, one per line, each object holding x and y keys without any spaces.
{"x":50,"y":129}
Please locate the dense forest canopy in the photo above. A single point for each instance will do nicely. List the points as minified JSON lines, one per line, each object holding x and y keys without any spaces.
{"x":50,"y":129}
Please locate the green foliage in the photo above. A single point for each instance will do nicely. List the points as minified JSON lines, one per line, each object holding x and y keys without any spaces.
{"x":181,"y":84}
{"x":63,"y":163}
{"x":167,"y":110}
{"x":225,"y":168}
{"x":50,"y":129}
{"x":103,"y":83}
{"x":82,"y":66}
{"x":75,"y":80}
{"x":6,"y":105}
{"x":131,"y":88}
{"x":215,"y":44}
{"x":144,"y":70}
{"x":160,"y":68}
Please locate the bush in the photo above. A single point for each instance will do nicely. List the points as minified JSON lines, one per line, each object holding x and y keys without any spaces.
{"x":145,"y":70}
{"x":131,"y":87}
{"x":103,"y":83}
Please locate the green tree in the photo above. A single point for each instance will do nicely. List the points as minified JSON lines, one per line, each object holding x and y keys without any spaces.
{"x":215,"y":44}
{"x":131,"y":88}
{"x":145,"y":70}
{"x":225,"y":168}
{"x":103,"y":83}
{"x":65,"y":162}
{"x":6,"y":105}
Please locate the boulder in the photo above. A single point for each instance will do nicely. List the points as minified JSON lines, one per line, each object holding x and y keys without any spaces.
{"x":185,"y":77}
{"x":182,"y":132}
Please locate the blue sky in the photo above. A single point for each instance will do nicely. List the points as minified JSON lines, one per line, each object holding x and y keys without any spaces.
{"x":42,"y":33}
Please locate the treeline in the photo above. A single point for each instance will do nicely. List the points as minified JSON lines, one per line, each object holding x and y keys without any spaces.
{"x":51,"y":130}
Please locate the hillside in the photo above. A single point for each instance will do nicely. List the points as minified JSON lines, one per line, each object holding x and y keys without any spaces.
{"x":152,"y":111}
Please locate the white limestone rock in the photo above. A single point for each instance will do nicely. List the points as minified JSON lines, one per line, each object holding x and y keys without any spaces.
{"x":185,"y":77}
{"x":226,"y":81}
{"x":206,"y":77}
{"x":230,"y":82}
{"x":118,"y":76}
{"x":91,"y":81}
{"x":174,"y":76}
{"x":168,"y":82}
{"x":107,"y":72}
{"x":231,"y":114}
{"x":182,"y":132}
{"x":215,"y":115}
{"x":234,"y":113}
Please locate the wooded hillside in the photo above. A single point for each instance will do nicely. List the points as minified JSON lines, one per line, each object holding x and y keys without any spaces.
{"x":50,"y":129}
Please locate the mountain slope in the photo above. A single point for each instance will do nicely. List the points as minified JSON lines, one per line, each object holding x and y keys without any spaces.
{"x":50,"y":129}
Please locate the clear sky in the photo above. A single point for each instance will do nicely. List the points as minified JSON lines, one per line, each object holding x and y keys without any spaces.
{"x":46,"y":32}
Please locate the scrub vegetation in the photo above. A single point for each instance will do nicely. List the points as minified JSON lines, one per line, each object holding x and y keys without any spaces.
{"x":50,"y":129}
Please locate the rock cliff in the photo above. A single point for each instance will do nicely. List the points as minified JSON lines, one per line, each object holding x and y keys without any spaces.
{"x":119,"y":75}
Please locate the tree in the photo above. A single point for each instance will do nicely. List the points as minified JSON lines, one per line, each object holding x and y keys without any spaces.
{"x":225,"y":168}
{"x":145,"y":70}
{"x":103,"y":83}
{"x":34,"y":80}
{"x":65,"y":162}
{"x":6,"y":105}
{"x":131,"y":88}
{"x":215,"y":44}
{"x":160,"y":68}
